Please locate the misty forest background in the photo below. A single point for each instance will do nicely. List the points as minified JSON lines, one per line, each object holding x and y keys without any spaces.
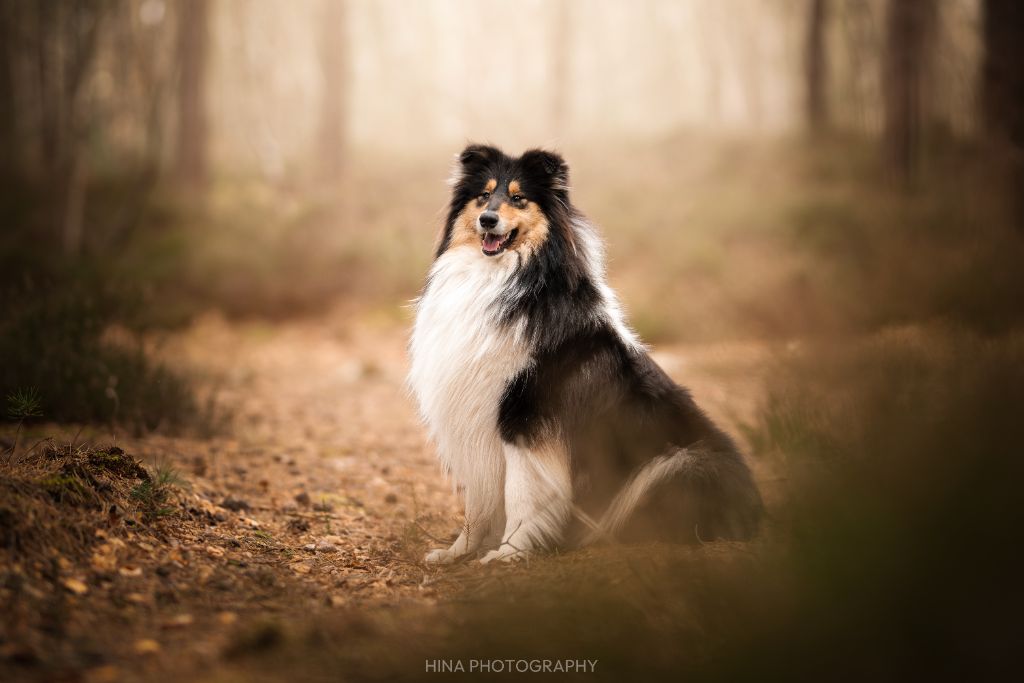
{"x":837,"y":182}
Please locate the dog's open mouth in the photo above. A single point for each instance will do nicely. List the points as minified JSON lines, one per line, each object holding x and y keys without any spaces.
{"x":495,"y":244}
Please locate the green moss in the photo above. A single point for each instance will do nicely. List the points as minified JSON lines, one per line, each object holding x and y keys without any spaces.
{"x":66,"y":488}
{"x":117,"y":462}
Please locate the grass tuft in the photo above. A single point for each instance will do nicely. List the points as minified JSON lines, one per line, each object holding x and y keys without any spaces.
{"x":156,"y":490}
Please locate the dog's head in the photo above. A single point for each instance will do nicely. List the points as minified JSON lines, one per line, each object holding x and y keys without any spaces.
{"x":502,"y":205}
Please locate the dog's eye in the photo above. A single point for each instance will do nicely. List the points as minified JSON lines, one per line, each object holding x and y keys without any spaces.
{"x":485,"y":195}
{"x":517,"y":198}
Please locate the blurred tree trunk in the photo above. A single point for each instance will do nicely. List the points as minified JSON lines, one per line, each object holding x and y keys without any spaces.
{"x":193,"y":130}
{"x":65,"y":37}
{"x":1002,"y":90}
{"x":908,"y":27}
{"x":334,"y":105}
{"x":558,"y":80}
{"x":8,"y":116}
{"x":816,"y":67}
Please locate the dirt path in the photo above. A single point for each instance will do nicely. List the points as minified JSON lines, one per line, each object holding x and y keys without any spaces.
{"x":321,"y":497}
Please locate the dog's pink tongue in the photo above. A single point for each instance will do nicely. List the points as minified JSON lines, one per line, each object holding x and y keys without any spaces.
{"x":491,"y":242}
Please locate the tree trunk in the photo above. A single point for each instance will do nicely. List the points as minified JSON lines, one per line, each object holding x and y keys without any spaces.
{"x":1002,"y":91}
{"x":908,"y":28}
{"x":816,"y":67}
{"x":334,"y":105}
{"x":8,"y":116}
{"x":193,"y":48}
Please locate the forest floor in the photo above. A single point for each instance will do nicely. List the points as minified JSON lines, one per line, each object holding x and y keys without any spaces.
{"x":320,"y":496}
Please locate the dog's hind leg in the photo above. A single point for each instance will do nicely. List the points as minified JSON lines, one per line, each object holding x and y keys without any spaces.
{"x":698,"y":494}
{"x":538,"y":500}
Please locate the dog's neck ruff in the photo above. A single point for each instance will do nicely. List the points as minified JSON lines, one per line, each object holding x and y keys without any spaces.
{"x":479,"y":323}
{"x":462,"y":357}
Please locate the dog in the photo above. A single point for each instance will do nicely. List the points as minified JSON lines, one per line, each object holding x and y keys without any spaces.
{"x":547,"y":412}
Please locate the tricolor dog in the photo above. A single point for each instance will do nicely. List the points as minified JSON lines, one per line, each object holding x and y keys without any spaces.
{"x":546,"y":410}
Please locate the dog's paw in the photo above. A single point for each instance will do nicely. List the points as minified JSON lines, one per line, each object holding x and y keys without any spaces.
{"x":440,"y":556}
{"x":505,"y":554}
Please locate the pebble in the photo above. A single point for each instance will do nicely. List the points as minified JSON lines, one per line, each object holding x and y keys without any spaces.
{"x":234,"y":504}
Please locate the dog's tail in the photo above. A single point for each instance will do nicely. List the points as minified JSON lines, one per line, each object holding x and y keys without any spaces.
{"x":695,"y":494}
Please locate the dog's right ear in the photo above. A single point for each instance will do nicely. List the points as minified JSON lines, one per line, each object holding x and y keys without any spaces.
{"x":472,"y":159}
{"x":478,"y":154}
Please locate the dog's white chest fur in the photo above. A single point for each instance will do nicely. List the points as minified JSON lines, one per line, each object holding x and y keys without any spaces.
{"x":462,"y":360}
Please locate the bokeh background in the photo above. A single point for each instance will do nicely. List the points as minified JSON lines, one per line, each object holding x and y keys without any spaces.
{"x":758,"y":168}
{"x":824,"y":196}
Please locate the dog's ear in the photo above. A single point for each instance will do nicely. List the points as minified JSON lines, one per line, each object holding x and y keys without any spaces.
{"x":550,"y":165}
{"x":478,"y":154}
{"x":472,"y":159}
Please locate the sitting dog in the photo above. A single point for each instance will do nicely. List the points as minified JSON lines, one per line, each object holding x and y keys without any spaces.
{"x":548,"y":414}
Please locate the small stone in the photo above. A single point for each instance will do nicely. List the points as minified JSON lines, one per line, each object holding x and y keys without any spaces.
{"x":298,"y":525}
{"x":326,"y":548}
{"x":391,"y":498}
{"x":323,"y":506}
{"x":234,"y":504}
{"x":302,"y":499}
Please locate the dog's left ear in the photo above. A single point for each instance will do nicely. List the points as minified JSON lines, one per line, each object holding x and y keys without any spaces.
{"x":550,"y":165}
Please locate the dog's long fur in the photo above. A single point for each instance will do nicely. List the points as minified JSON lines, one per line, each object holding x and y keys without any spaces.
{"x":547,"y":412}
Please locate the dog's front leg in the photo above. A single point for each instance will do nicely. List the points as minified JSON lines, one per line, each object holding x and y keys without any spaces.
{"x":538,"y":500}
{"x":484,"y":517}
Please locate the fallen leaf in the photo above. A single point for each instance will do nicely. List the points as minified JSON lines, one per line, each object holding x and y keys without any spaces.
{"x":179,"y":621}
{"x":215,"y":551}
{"x":227,"y":618}
{"x":130,"y":571}
{"x":103,"y":562}
{"x":76,"y":586}
{"x":147,"y":646}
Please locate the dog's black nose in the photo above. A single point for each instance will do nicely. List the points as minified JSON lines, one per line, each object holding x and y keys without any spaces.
{"x":488,"y":219}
